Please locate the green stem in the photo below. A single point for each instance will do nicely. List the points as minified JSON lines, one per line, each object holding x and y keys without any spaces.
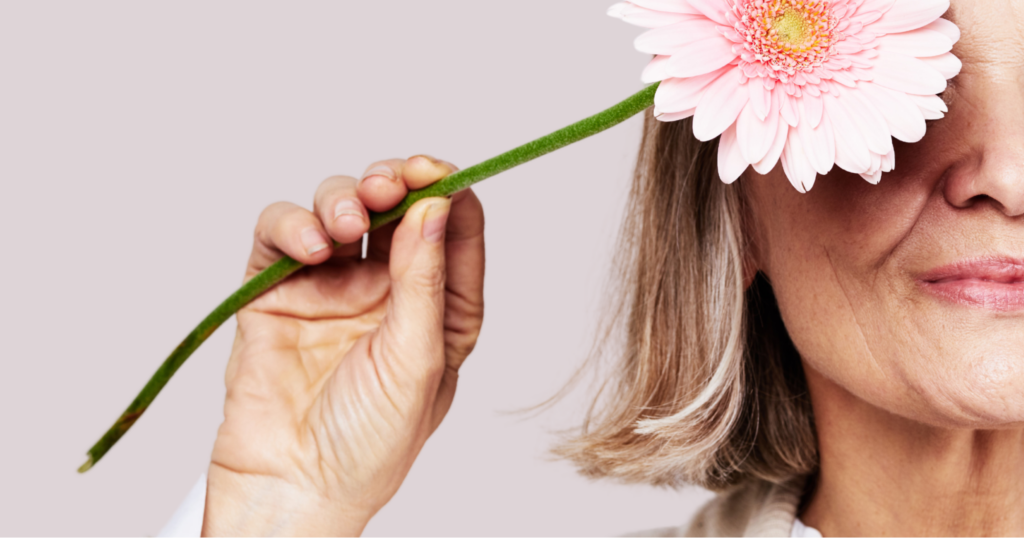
{"x":284,"y":267}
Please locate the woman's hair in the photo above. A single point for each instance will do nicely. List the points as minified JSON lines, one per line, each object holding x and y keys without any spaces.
{"x":706,"y":387}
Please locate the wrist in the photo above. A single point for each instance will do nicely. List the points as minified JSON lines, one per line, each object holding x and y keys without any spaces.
{"x":240,"y":504}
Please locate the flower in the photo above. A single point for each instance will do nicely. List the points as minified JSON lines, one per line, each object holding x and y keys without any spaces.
{"x":813,"y":83}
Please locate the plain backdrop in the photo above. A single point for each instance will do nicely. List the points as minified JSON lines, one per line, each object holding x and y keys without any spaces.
{"x":139,"y":141}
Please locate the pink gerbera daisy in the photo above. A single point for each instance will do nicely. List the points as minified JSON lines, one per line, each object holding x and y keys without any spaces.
{"x":813,"y":83}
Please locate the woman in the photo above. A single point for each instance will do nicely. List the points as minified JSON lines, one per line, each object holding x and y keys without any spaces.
{"x":851,"y":359}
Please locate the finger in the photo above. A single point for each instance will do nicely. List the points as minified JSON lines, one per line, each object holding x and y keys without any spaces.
{"x":465,"y":260}
{"x":287,"y":229}
{"x":412,"y":334}
{"x":343,"y":215}
{"x":423,"y":170}
{"x":381,"y":187}
{"x":378,"y":247}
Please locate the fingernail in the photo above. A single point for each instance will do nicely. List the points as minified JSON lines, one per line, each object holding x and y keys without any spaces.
{"x":348,"y":207}
{"x":313,"y":241}
{"x":383,"y":171}
{"x":435,"y":220}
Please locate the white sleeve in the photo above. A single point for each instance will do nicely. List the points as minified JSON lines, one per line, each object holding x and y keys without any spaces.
{"x":188,"y":519}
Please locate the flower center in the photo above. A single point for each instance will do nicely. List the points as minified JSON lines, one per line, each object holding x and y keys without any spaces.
{"x":791,"y":27}
{"x":788,"y":36}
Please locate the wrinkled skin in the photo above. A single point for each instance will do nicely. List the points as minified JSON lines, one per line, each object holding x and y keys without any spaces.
{"x":339,"y":375}
{"x":924,"y":392}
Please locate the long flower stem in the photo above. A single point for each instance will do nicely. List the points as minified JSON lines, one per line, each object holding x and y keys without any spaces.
{"x":286,"y":266}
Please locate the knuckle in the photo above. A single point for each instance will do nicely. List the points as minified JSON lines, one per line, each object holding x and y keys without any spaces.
{"x":270,"y":217}
{"x":431,"y":280}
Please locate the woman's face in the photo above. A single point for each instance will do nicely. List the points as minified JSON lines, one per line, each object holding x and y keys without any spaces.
{"x":910,"y":294}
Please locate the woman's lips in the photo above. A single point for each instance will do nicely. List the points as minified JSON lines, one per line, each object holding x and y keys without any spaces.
{"x":996,"y":284}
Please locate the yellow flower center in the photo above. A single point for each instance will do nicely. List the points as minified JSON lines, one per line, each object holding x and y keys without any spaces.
{"x":791,"y":27}
{"x":788,"y":36}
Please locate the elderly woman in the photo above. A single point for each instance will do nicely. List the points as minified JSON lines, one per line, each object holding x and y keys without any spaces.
{"x":849,"y":360}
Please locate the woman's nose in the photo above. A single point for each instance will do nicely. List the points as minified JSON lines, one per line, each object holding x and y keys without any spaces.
{"x":992,"y":169}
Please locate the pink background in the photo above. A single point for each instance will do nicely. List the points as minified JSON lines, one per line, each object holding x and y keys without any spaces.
{"x":140,"y":140}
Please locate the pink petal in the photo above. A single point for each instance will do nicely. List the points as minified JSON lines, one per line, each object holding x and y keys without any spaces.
{"x":819,"y":144}
{"x":932,"y":107}
{"x":787,"y":108}
{"x":901,"y":114}
{"x":730,"y":161}
{"x":702,"y":56}
{"x":947,"y":28}
{"x":656,"y":70}
{"x":755,"y":136}
{"x":713,"y":9}
{"x":720,"y":106}
{"x":873,"y":178}
{"x":677,"y":94}
{"x":646,"y":18}
{"x":852,"y":152}
{"x":675,"y":116}
{"x":889,"y":161}
{"x":879,"y":6}
{"x":760,"y":98}
{"x":907,"y":74}
{"x":947,"y":64}
{"x":813,"y":109}
{"x":671,"y":6}
{"x":907,"y":15}
{"x":870,"y":121}
{"x":917,"y":43}
{"x":669,"y":39}
{"x":796,"y":165}
{"x":767,"y":164}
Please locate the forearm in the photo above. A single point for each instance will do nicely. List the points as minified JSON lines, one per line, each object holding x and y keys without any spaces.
{"x":253,"y":505}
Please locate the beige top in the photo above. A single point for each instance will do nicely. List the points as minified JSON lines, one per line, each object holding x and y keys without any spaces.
{"x":758,"y":509}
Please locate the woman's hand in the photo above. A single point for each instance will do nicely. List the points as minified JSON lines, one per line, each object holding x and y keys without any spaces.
{"x":340,"y":374}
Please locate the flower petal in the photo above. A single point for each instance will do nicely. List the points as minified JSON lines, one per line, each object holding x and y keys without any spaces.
{"x":730,"y":161}
{"x":675,"y":116}
{"x":852,"y":152}
{"x":787,"y":108}
{"x":906,"y":74}
{"x":760,"y":98}
{"x":818,"y":144}
{"x":669,"y":39}
{"x":947,"y":64}
{"x":720,"y":105}
{"x":703,"y":56}
{"x":932,"y":107}
{"x":947,"y":28}
{"x":646,"y":18}
{"x":767,"y":164}
{"x":796,"y":165}
{"x":671,"y":6}
{"x":755,"y":136}
{"x":677,"y":94}
{"x":907,"y":15}
{"x":875,"y":6}
{"x":901,"y":114}
{"x":870,"y":121}
{"x":656,"y":70}
{"x":873,"y":178}
{"x":813,"y":109}
{"x":918,"y":43}
{"x":713,"y":9}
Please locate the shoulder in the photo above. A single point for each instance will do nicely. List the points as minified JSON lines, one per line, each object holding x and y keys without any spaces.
{"x":753,"y":509}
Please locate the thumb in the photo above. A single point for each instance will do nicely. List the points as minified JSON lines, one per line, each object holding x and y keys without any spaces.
{"x":413,"y":327}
